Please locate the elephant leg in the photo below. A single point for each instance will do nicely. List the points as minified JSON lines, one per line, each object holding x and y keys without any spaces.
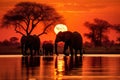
{"x":25,"y":51}
{"x":81,"y":52}
{"x":46,"y":53}
{"x":51,"y":52}
{"x":65,"y":48}
{"x":43,"y":51}
{"x":37,"y":52}
{"x":31,"y":52}
{"x":22,"y":49}
{"x":71,"y":50}
{"x":76,"y":52}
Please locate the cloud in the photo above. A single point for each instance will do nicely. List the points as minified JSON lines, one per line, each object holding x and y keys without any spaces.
{"x":70,"y":6}
{"x":76,"y":7}
{"x":81,"y":6}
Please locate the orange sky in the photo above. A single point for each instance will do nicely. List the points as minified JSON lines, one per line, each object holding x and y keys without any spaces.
{"x":75,"y":13}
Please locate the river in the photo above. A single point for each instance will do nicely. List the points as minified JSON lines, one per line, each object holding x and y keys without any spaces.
{"x":88,"y":67}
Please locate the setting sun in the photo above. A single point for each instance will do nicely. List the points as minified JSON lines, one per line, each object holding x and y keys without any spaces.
{"x":60,"y":27}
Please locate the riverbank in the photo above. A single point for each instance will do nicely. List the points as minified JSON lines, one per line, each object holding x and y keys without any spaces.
{"x":12,"y":50}
{"x":102,"y":50}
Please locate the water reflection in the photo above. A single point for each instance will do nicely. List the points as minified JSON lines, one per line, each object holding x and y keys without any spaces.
{"x":10,"y":68}
{"x":30,"y":67}
{"x":96,"y":65}
{"x":65,"y":65}
{"x":31,"y":61}
{"x":59,"y":68}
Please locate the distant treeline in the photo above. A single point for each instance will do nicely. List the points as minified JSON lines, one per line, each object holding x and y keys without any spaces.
{"x":13,"y":41}
{"x":98,"y":35}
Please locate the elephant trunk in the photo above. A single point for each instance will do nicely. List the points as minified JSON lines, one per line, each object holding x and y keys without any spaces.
{"x":56,"y":48}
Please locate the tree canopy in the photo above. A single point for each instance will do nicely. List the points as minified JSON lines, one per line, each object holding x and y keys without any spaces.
{"x":25,"y":16}
{"x":97,"y":30}
{"x":116,"y":27}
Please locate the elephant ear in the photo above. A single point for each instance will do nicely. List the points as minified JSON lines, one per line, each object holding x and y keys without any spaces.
{"x":64,"y":36}
{"x":67,"y":35}
{"x":59,"y":37}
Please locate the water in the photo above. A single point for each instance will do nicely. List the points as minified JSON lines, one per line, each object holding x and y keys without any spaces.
{"x":89,"y":67}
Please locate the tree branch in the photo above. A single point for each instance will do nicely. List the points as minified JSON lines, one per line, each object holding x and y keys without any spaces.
{"x":21,"y":26}
{"x":18,"y":31}
{"x":44,"y":31}
{"x":28,"y":20}
{"x":34,"y":24}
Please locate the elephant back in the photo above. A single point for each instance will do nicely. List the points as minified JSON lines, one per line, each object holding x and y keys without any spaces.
{"x":33,"y":41}
{"x":63,"y":36}
{"x":30,"y":41}
{"x":47,"y":45}
{"x":47,"y":48}
{"x":36,"y":41}
{"x":23,"y":39}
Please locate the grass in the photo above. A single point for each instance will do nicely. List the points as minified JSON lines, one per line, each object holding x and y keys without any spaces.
{"x":5,"y":50}
{"x":9,"y":50}
{"x":103,"y":50}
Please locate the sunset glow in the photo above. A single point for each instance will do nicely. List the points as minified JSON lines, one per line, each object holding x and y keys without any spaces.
{"x":74,"y":12}
{"x":59,"y":39}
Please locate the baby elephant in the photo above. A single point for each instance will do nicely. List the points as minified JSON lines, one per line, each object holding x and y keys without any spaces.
{"x":47,"y":48}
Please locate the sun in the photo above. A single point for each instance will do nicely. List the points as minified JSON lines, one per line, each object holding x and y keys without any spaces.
{"x":60,"y":27}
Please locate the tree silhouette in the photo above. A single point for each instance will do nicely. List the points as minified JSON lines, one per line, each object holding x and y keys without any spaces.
{"x":97,"y":30}
{"x":13,"y":40}
{"x":6,"y":42}
{"x":25,"y":16}
{"x":116,"y":27}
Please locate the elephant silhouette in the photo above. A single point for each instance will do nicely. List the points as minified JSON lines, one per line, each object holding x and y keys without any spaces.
{"x":47,"y":48}
{"x":31,"y":42}
{"x":73,"y":40}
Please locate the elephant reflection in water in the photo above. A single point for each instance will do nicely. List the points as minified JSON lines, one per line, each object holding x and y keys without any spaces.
{"x":30,"y":66}
{"x":75,"y":62}
{"x":32,"y":43}
{"x":73,"y":40}
{"x":31,"y":61}
{"x":69,"y":63}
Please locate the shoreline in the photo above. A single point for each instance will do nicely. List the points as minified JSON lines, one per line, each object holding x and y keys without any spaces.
{"x":87,"y":52}
{"x":8,"y":50}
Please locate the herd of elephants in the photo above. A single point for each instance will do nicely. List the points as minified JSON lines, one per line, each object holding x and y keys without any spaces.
{"x":73,"y":40}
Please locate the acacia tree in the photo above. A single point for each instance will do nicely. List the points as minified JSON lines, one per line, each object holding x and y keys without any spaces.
{"x":25,"y":16}
{"x":116,"y":27}
{"x":97,"y":30}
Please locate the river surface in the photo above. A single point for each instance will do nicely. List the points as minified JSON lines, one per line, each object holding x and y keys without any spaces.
{"x":88,"y":67}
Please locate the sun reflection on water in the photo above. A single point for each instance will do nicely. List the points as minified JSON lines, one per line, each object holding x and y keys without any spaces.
{"x":60,"y":67}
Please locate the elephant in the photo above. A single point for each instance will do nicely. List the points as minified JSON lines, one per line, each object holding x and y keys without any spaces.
{"x":31,"y":42}
{"x":47,"y":48}
{"x":23,"y":44}
{"x":73,"y":40}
